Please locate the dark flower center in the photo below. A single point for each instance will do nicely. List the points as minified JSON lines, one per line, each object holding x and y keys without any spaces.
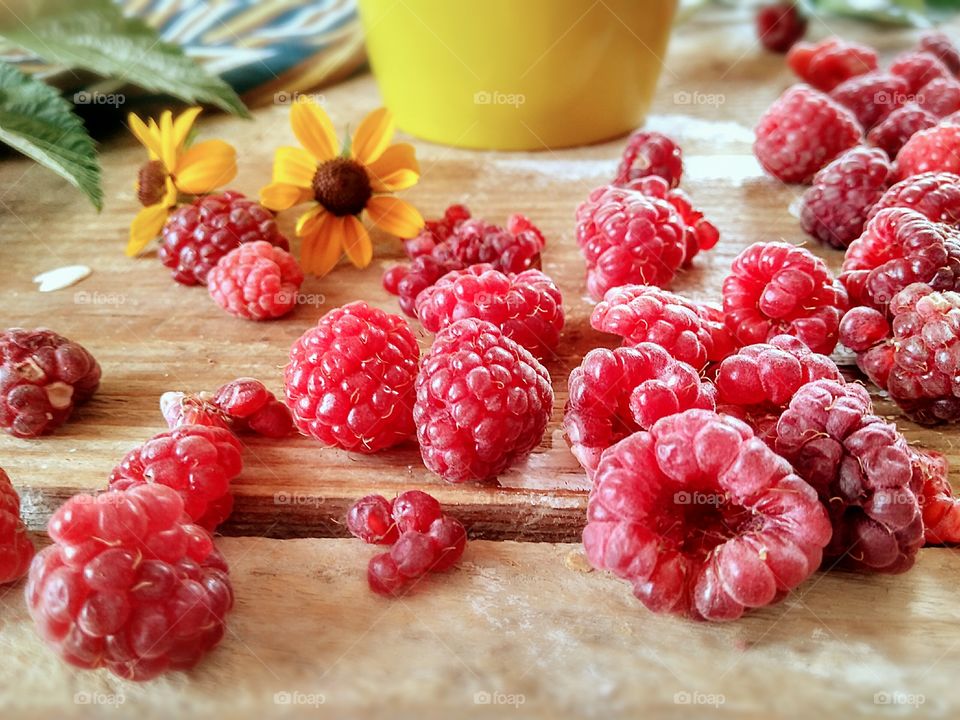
{"x":341,"y":185}
{"x":151,"y":183}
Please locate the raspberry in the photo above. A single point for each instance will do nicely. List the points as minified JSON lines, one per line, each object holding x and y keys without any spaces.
{"x":197,"y":235}
{"x":350,"y":380}
{"x":918,"y":68}
{"x":919,"y":365}
{"x":627,"y":237}
{"x":128,"y":585}
{"x":650,"y":153}
{"x":899,"y":247}
{"x":384,"y":577}
{"x":871,"y":97}
{"x":860,"y":467}
{"x":43,"y":375}
{"x":776,"y":289}
{"x":370,"y":519}
{"x":250,"y":406}
{"x":891,"y":133}
{"x":936,"y":196}
{"x":449,"y":535}
{"x":756,"y":384}
{"x":940,"y":507}
{"x":415,"y":510}
{"x":483,"y":402}
{"x":801,"y":132}
{"x":256,"y":281}
{"x":940,"y":97}
{"x":702,"y":518}
{"x":829,"y":62}
{"x":701,"y":233}
{"x":197,"y":461}
{"x":527,"y":307}
{"x":180,"y":408}
{"x":16,"y":549}
{"x":780,"y":26}
{"x":935,"y":149}
{"x":835,"y":207}
{"x":467,"y":242}
{"x":685,"y":329}
{"x":862,"y":328}
{"x":940,"y":45}
{"x":614,"y":393}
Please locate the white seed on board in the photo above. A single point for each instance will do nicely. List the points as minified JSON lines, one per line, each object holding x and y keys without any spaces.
{"x":62,"y":277}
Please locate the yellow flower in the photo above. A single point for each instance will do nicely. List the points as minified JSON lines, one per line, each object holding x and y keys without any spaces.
{"x":174,"y":167}
{"x":342,"y":186}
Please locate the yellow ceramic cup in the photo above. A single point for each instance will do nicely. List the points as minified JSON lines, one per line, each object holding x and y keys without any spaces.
{"x":517,"y":74}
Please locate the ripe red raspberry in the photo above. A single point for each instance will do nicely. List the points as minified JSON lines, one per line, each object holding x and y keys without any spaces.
{"x":780,"y":26}
{"x":801,"y":132}
{"x":940,"y":507}
{"x":649,"y":153}
{"x":936,"y":196}
{"x":644,"y":313}
{"x":940,"y":97}
{"x":197,"y":461}
{"x":350,"y":379}
{"x":703,"y":518}
{"x":467,"y":242}
{"x":128,"y":585}
{"x":256,"y":281}
{"x":871,"y":97}
{"x":16,"y":548}
{"x":892,"y":133}
{"x":919,"y":365}
{"x":935,"y":149}
{"x":778,"y":289}
{"x":370,"y":519}
{"x":250,"y":406}
{"x":757,"y":383}
{"x":527,"y":307}
{"x":826,"y":64}
{"x":415,"y":510}
{"x":483,"y":402}
{"x":918,"y":68}
{"x":197,"y":235}
{"x":861,"y":468}
{"x":436,"y":231}
{"x":835,"y":207}
{"x":627,"y":237}
{"x":899,"y":247}
{"x":616,"y":392}
{"x":940,"y":45}
{"x":180,"y":408}
{"x":43,"y":375}
{"x":701,"y":233}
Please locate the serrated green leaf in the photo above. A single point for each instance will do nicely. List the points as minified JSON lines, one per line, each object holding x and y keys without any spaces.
{"x":38,"y":122}
{"x":95,"y":35}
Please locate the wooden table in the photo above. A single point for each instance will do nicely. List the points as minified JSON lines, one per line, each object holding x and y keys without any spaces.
{"x":520,"y":627}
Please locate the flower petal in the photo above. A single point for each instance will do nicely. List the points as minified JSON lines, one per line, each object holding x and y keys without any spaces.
{"x":183,"y":124}
{"x":145,"y":227}
{"x":205,"y":166}
{"x":313,"y":129}
{"x":372,"y":136}
{"x":294,"y":166}
{"x":356,"y":241}
{"x":321,"y":242}
{"x":168,"y":148}
{"x":396,"y":169}
{"x":394,"y":216}
{"x":145,"y":135}
{"x":280,"y":196}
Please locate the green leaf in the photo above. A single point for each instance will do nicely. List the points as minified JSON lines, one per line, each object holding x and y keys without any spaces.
{"x":94,"y":35}
{"x":37,"y":121}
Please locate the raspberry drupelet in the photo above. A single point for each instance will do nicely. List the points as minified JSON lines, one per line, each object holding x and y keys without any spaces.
{"x":614,"y":393}
{"x":16,"y":548}
{"x":129,"y":585}
{"x":861,"y":468}
{"x":702,"y":518}
{"x":256,"y":281}
{"x":779,"y":289}
{"x":250,"y":406}
{"x":828,"y":63}
{"x":526,"y":306}
{"x":350,"y":379}
{"x":936,"y":196}
{"x":650,"y":154}
{"x":43,"y":376}
{"x":939,"y":505}
{"x":483,"y":402}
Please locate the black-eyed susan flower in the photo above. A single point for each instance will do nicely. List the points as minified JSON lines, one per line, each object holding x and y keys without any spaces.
{"x":342,"y":185}
{"x":175,"y":168}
